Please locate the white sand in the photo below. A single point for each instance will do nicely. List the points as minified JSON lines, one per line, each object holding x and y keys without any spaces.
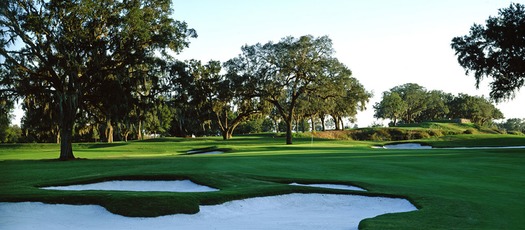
{"x":139,"y":185}
{"x":334,"y":186}
{"x":293,"y":211}
{"x":407,"y":146}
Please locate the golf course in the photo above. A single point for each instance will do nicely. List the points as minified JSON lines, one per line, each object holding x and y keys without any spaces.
{"x":451,"y":188}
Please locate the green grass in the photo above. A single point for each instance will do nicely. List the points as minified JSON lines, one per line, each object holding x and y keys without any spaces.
{"x":454,"y":189}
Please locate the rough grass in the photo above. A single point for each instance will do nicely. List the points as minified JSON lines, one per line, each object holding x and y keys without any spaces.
{"x":462,"y":189}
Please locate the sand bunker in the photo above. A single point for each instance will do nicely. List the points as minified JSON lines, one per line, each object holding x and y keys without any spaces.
{"x":139,"y":185}
{"x":292,"y":211}
{"x":407,"y":146}
{"x":334,"y":186}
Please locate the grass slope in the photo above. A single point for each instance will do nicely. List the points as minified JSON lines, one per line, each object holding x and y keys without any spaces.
{"x":454,"y":189}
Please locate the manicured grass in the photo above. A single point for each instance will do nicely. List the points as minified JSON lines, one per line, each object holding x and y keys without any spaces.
{"x":465,"y":189}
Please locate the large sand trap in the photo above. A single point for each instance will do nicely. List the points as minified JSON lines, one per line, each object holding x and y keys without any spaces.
{"x":292,"y":211}
{"x":139,"y":185}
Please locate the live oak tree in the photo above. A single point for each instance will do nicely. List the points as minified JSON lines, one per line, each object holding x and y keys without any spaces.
{"x":221,"y":99}
{"x":436,"y":106}
{"x":66,"y":48}
{"x":353,"y":99}
{"x":282,"y":72}
{"x":405,"y":102}
{"x":478,"y":109}
{"x":497,"y":51}
{"x":390,"y":107}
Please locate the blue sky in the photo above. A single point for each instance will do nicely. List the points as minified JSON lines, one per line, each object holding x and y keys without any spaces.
{"x":385,"y":43}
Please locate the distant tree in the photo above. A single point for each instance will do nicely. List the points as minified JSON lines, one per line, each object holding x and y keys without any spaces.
{"x":414,"y":96}
{"x":497,"y":51}
{"x":436,"y":106}
{"x":69,"y":47}
{"x":478,"y":109}
{"x":282,"y":72}
{"x":390,"y":107}
{"x":514,"y":124}
{"x":158,"y":119}
{"x":13,"y":134}
{"x":267,"y":125}
{"x":353,"y":99}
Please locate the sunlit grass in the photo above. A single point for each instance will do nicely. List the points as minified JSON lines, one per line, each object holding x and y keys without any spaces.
{"x":472,"y":189}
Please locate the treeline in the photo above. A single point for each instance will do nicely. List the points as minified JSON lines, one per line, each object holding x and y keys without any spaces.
{"x":301,"y":81}
{"x":410,"y":103}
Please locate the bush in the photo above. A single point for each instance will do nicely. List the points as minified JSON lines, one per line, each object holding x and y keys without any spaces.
{"x":516,"y":133}
{"x":469,"y":131}
{"x":435,"y":133}
{"x":381,"y":135}
{"x":398,"y":134}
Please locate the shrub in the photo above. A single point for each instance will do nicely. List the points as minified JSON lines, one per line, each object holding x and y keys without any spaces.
{"x":469,"y":131}
{"x":419,"y":135}
{"x":381,"y":135}
{"x":515,"y":133}
{"x":398,"y":134}
{"x":435,"y":133}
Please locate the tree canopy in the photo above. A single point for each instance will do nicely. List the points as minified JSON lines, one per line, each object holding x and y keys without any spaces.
{"x":69,"y":50}
{"x":497,"y":51}
{"x":410,"y":103}
{"x":283,"y":72}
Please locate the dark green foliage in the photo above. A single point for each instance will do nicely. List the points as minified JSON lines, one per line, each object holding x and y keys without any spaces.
{"x":296,"y":71}
{"x":513,"y":125}
{"x":90,"y":58}
{"x":6,"y":106}
{"x":496,"y":50}
{"x":411,"y":103}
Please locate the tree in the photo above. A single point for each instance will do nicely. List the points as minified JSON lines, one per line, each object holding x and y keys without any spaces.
{"x":436,"y":108}
{"x":353,"y":100}
{"x":514,"y":124}
{"x":497,"y":51}
{"x":158,"y":119}
{"x":68,"y":47}
{"x":6,"y":106}
{"x":414,"y":96}
{"x":390,"y":107}
{"x":478,"y":109}
{"x":282,"y":72}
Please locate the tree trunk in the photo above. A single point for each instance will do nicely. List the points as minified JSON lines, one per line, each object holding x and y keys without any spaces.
{"x":342,"y":123}
{"x":313,"y":123}
{"x":322,"y":123}
{"x":109,"y":131}
{"x":289,"y":132}
{"x":68,"y":104}
{"x":225,"y":135}
{"x":139,"y":131}
{"x":126,"y":136}
{"x":336,"y":122}
{"x":58,"y":137}
{"x":66,"y":149}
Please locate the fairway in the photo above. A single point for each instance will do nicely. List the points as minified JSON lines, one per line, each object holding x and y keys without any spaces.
{"x":453,"y":189}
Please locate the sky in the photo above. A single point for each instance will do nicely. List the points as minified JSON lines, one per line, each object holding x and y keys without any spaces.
{"x":385,"y":43}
